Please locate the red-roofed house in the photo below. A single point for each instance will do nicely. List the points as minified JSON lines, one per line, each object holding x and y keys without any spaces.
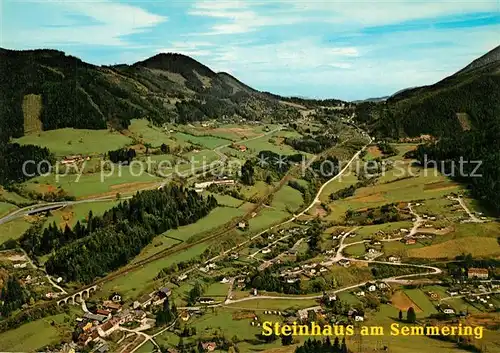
{"x":481,"y":273}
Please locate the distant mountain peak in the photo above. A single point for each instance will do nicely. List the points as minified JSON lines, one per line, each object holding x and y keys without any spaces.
{"x":490,"y":57}
{"x":175,"y":62}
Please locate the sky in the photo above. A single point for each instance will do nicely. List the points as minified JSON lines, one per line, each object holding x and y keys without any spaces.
{"x":309,"y":48}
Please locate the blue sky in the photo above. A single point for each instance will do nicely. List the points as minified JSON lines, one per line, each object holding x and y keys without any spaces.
{"x":314,"y":48}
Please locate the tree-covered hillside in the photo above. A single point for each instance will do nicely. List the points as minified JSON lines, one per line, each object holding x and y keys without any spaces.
{"x":462,"y":112}
{"x":164,"y":88}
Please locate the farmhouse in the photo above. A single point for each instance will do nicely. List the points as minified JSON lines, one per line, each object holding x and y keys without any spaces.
{"x":410,"y":241}
{"x":394,"y":259}
{"x":208,"y":346}
{"x":207,"y":301}
{"x":95,"y":317}
{"x":112,"y":306}
{"x":206,"y":184}
{"x":242,"y":225}
{"x":481,"y":273}
{"x":447,"y":309}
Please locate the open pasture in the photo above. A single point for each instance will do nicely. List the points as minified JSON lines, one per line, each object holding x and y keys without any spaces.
{"x":70,"y":141}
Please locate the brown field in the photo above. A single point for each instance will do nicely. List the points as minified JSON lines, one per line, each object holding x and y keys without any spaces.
{"x":463,"y":119}
{"x":242,"y":315}
{"x":485,"y":320}
{"x":440,"y":185}
{"x":32,"y":108}
{"x":374,"y":151}
{"x":377,"y":197}
{"x":242,"y":132}
{"x":45,"y":188}
{"x":477,"y":246}
{"x":402,"y":302}
{"x":319,"y":211}
{"x":122,"y":189}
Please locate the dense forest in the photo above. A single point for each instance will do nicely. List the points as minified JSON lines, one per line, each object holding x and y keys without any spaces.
{"x":122,"y":155}
{"x":12,"y":296}
{"x":110,"y":241}
{"x":19,"y":163}
{"x":472,"y":157}
{"x":312,"y":143}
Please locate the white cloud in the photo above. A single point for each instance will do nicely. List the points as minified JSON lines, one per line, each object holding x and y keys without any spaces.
{"x":381,"y":65}
{"x":107,"y":24}
{"x":375,"y":12}
{"x":241,"y":17}
{"x":236,"y":17}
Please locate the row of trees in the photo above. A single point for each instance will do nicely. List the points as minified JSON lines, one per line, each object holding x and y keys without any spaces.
{"x":105,"y":243}
{"x":323,"y":346}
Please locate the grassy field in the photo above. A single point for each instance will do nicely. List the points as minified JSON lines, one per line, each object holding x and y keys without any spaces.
{"x":274,"y":304}
{"x":70,"y":215}
{"x":217,"y":290}
{"x":421,"y":300}
{"x":287,"y":198}
{"x":6,"y":208}
{"x":367,"y":232}
{"x":33,"y":335}
{"x":141,"y":281}
{"x":216,"y":218}
{"x":399,"y":344}
{"x":32,"y":109}
{"x":118,"y":180}
{"x":12,"y":196}
{"x":266,"y":218}
{"x":272,"y":142}
{"x":13,"y":229}
{"x":258,"y":190}
{"x":145,"y":132}
{"x":208,"y":141}
{"x":234,"y":132}
{"x":226,"y":200}
{"x":200,"y":157}
{"x":355,"y":250}
{"x":73,"y":141}
{"x":477,"y":246}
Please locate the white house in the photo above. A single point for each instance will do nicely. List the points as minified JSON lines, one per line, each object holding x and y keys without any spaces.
{"x":224,"y":280}
{"x":449,"y":311}
{"x":372,"y":288}
{"x":359,"y":318}
{"x":266,"y":251}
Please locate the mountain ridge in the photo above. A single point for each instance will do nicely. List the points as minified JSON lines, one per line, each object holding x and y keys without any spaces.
{"x":166,"y":87}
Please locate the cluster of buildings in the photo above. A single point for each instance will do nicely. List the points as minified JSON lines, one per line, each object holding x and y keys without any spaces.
{"x":200,"y":187}
{"x":371,"y":287}
{"x":73,"y":159}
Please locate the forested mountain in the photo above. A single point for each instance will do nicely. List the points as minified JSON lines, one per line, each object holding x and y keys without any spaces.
{"x":462,"y":112}
{"x":469,"y":99}
{"x":68,"y":92}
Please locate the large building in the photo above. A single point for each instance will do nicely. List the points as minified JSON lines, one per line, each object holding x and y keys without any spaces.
{"x":481,"y":273}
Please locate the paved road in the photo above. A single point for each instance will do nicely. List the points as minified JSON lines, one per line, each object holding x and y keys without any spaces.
{"x":472,"y":216}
